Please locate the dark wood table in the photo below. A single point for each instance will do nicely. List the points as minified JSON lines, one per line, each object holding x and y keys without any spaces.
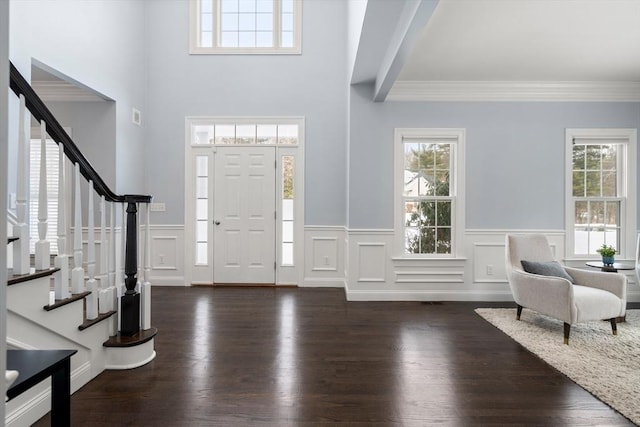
{"x":35,"y":366}
{"x":611,"y":268}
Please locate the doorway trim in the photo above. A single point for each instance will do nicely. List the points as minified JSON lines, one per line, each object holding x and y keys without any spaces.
{"x":200,"y":140}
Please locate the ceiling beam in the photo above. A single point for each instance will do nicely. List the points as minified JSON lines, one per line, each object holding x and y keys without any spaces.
{"x":413,"y":19}
{"x":372,"y":32}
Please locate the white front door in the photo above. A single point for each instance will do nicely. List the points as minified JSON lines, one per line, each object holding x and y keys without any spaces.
{"x":244,"y":215}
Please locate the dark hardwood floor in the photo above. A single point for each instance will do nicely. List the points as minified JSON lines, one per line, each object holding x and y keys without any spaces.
{"x":307,"y":357}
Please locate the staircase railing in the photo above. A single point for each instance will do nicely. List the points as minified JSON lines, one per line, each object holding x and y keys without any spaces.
{"x":108,"y":291}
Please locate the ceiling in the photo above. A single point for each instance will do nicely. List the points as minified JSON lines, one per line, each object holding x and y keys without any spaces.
{"x":586,"y":50}
{"x":499,"y":50}
{"x":52,"y":86}
{"x":528,"y":40}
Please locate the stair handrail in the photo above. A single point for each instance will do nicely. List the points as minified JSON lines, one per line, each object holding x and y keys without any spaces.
{"x":40,"y":112}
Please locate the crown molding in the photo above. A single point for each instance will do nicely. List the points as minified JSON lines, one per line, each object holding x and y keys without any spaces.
{"x":60,"y":91}
{"x":515,"y":91}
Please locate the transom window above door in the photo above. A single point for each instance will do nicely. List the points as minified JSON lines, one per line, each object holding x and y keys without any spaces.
{"x":245,"y":26}
{"x":245,"y":133}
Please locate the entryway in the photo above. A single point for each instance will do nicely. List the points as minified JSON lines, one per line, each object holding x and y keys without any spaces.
{"x":244,"y":201}
{"x":244,"y":215}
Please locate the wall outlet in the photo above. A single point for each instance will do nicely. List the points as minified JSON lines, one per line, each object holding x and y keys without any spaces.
{"x":489,"y":270}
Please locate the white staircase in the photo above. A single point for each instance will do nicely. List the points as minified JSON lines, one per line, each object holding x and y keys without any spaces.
{"x":85,"y":313}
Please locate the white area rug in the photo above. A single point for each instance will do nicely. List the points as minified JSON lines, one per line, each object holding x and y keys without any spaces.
{"x":606,"y":365}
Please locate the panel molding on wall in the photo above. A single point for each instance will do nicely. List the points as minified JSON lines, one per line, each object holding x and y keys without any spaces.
{"x":371,"y":261}
{"x":324,"y":256}
{"x":167,"y":255}
{"x":478,"y":276}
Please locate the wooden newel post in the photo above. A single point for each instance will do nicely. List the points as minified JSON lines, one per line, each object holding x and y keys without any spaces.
{"x":130,"y":301}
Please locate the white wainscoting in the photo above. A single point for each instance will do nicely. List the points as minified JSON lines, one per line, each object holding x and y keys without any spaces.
{"x":364,"y":263}
{"x":167,"y":255}
{"x":375,"y":273}
{"x":324,"y":256}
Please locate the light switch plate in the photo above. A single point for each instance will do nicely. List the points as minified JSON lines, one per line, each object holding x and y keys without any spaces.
{"x":157,"y":207}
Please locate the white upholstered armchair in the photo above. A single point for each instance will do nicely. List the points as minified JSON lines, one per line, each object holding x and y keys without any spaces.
{"x":568,"y":294}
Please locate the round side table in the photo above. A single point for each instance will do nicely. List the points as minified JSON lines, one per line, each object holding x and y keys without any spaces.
{"x":611,"y":268}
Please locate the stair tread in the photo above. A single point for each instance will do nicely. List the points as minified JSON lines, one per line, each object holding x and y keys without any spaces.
{"x":63,"y":302}
{"x":88,"y":323}
{"x":33,"y":274}
{"x":130,"y":341}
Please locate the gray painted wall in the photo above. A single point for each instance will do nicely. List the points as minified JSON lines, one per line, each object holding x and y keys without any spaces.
{"x":100,"y":44}
{"x":93,"y":126}
{"x":514,"y":155}
{"x":313,"y":85}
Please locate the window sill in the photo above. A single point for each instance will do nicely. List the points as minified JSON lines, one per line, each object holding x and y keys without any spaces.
{"x":243,"y":51}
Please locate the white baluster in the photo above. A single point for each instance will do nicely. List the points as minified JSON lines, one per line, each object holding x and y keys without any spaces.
{"x":43,"y":260}
{"x":140,"y":259}
{"x":103,"y":300}
{"x":112,"y":257}
{"x":120,"y":277}
{"x":92,"y":284}
{"x":77,"y":274}
{"x":146,"y":285}
{"x":61,"y":278}
{"x":21,"y":229}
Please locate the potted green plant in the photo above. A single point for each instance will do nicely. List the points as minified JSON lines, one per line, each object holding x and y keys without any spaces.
{"x":607,"y":252}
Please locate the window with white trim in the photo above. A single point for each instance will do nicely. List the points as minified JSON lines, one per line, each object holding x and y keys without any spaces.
{"x":600,"y":190}
{"x":429,"y":195}
{"x":245,"y":26}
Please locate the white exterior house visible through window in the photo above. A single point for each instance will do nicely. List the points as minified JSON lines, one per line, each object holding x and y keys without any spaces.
{"x":245,"y":26}
{"x":429,"y":197}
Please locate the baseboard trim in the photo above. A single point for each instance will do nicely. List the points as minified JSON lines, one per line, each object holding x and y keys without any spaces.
{"x":168,"y":281}
{"x":323,"y":283}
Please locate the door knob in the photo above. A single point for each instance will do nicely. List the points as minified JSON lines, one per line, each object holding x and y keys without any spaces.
{"x":216,"y":222}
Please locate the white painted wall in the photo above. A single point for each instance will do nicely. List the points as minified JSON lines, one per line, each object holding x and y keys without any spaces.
{"x":100,"y":44}
{"x":93,"y":129}
{"x":313,"y":85}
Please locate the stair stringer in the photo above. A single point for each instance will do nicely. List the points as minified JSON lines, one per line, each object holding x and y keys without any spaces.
{"x":29,"y":326}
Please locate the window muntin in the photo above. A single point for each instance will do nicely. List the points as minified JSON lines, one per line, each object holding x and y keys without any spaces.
{"x":245,"y":26}
{"x":600,"y":191}
{"x":429,"y":202}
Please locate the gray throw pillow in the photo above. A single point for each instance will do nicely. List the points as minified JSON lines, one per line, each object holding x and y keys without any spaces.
{"x":551,"y":268}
